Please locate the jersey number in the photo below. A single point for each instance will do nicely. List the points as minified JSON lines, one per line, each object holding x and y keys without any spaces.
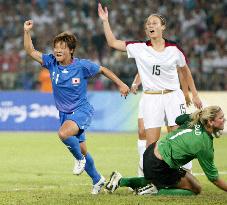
{"x":53,"y":77}
{"x":156,"y":70}
{"x":182,"y":109}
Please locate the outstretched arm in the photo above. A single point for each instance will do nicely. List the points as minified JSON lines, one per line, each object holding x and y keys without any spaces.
{"x":221,"y":184}
{"x":28,"y":46}
{"x":136,"y":83}
{"x":123,"y":88}
{"x":188,"y":76}
{"x":111,"y":40}
{"x":184,"y":87}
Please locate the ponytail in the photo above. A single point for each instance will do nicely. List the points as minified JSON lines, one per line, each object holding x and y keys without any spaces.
{"x":204,"y":115}
{"x":195,"y":118}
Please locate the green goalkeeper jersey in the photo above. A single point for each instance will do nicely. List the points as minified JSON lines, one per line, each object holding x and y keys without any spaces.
{"x":184,"y":144}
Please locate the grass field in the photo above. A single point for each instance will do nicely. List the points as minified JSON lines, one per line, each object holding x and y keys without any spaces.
{"x":35,"y":168}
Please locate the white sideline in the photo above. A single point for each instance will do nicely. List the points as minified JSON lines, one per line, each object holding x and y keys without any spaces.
{"x":201,"y":174}
{"x":38,"y":188}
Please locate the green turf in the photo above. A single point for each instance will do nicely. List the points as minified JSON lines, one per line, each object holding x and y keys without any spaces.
{"x":35,"y":168}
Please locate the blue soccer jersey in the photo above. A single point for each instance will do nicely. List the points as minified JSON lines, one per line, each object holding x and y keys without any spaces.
{"x":69,"y":82}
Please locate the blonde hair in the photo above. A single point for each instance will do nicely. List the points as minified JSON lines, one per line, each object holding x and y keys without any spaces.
{"x":204,"y":115}
{"x":162,"y":19}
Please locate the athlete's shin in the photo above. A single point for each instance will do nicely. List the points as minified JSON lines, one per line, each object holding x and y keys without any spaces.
{"x":73,"y":145}
{"x":90,"y":169}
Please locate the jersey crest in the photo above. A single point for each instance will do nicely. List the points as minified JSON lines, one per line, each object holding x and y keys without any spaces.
{"x":75,"y":81}
{"x":65,"y":71}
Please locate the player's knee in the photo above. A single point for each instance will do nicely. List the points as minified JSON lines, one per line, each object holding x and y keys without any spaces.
{"x":196,"y":188}
{"x":83,"y":151}
{"x":62,"y":134}
{"x":192,"y":184}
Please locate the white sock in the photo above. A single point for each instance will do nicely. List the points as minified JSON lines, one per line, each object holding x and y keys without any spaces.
{"x":141,"y":145}
{"x":188,"y":166}
{"x":140,"y":168}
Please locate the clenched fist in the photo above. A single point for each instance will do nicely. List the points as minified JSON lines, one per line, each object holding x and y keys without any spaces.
{"x":28,"y":25}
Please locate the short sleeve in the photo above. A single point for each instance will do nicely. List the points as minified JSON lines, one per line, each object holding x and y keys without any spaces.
{"x":48,"y":60}
{"x":181,"y":60}
{"x":89,"y":68}
{"x":131,"y":49}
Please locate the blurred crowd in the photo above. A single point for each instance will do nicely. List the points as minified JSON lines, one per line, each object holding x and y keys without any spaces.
{"x":199,"y":26}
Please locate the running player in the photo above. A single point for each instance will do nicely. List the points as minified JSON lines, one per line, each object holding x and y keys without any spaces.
{"x":69,"y":82}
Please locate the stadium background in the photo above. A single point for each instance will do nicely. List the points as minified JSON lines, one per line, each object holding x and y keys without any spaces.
{"x":200,"y":27}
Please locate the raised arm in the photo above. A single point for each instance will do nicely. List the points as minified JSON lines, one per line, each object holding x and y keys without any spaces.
{"x":28,"y":46}
{"x":135,"y":84}
{"x":111,"y":40}
{"x":188,"y":77}
{"x":123,"y":88}
{"x":184,"y":87}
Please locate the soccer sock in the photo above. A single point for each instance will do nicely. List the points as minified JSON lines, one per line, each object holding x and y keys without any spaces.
{"x":141,"y":146}
{"x":90,"y":169}
{"x":72,"y":143}
{"x":133,"y":182}
{"x":140,"y":168}
{"x":179,"y":192}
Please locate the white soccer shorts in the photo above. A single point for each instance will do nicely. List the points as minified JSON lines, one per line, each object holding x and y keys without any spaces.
{"x":162,"y":109}
{"x":140,"y":110}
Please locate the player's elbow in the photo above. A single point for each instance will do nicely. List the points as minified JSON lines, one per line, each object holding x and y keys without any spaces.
{"x":112,"y":43}
{"x":103,"y":70}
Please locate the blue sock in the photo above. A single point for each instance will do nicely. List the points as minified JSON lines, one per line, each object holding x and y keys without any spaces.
{"x":91,"y":170}
{"x":72,"y":143}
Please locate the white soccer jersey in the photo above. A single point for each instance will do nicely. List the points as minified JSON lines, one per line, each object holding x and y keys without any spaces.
{"x":158,"y":70}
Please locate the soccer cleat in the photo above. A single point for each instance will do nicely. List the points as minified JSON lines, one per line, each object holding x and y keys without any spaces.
{"x":147,"y":190}
{"x":98,"y":186}
{"x":114,"y":181}
{"x":79,"y":166}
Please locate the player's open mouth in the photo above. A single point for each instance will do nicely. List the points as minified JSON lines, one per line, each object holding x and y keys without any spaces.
{"x":152,"y":31}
